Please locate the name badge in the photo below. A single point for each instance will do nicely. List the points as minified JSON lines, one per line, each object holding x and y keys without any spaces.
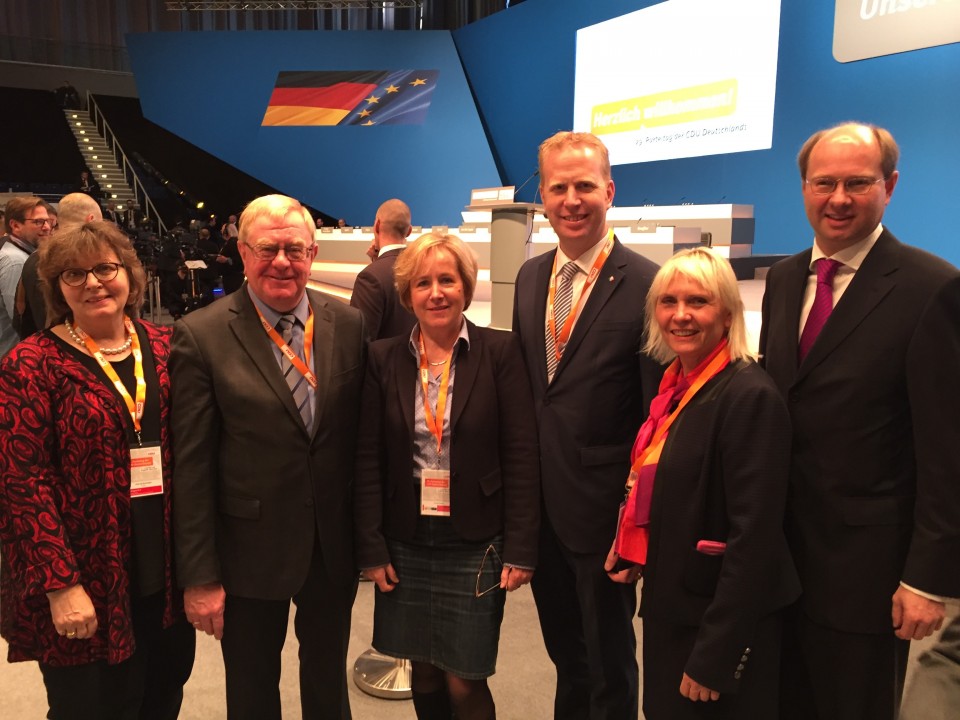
{"x":146,"y":471}
{"x":435,"y":492}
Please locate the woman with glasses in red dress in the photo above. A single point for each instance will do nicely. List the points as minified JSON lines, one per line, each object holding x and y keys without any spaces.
{"x":87,"y":587}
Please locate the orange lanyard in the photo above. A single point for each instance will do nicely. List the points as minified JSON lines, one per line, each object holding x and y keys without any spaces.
{"x":559,"y":341}
{"x":294,"y":359}
{"x":651,"y":454}
{"x":434,"y":423}
{"x":134,"y":406}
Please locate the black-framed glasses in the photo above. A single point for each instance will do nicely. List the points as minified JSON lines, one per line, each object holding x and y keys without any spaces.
{"x":105,"y":271}
{"x":40,"y":222}
{"x":851,"y":186}
{"x":294,"y":253}
{"x":492,"y":556}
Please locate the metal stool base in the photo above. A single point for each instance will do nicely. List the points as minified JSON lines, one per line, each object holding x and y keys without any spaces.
{"x":382,"y":676}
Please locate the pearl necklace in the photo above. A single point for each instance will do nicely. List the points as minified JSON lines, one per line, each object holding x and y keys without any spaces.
{"x":106,"y":351}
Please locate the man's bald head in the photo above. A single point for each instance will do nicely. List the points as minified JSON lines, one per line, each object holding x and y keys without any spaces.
{"x":77,"y":209}
{"x":393,"y":222}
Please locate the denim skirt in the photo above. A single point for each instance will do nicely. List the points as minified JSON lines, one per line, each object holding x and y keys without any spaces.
{"x":433,"y":615}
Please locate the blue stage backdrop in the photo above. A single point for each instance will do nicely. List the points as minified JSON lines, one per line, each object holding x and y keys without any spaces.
{"x":914,"y":94}
{"x":213,"y":89}
{"x":397,"y":120}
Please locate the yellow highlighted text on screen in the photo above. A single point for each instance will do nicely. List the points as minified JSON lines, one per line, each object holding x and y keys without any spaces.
{"x":700,"y":102}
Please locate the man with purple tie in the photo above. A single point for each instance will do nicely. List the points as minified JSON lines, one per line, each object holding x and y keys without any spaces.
{"x":861,"y":335}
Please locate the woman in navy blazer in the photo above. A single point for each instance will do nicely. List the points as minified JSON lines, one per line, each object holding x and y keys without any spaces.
{"x":716,"y":568}
{"x":447,"y":513}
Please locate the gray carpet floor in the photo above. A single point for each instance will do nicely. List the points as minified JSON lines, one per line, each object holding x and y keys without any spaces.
{"x":522,"y":688}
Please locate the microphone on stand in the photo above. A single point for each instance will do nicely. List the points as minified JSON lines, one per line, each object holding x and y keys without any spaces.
{"x":524,"y":184}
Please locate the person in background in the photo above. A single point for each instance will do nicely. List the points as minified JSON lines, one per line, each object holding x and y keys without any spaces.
{"x":31,"y":310}
{"x":228,"y":259}
{"x":375,"y":292}
{"x":87,"y":587}
{"x":89,"y":186}
{"x":861,"y":335}
{"x":447,"y":502}
{"x":704,"y":517}
{"x":29,"y":221}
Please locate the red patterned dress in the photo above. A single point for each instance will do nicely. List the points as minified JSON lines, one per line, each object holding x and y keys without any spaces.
{"x":65,"y":514}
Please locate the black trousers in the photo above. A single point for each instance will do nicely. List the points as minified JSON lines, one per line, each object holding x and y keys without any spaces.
{"x":253,"y":635}
{"x":148,"y":686}
{"x":828,"y":674}
{"x":587,"y":624}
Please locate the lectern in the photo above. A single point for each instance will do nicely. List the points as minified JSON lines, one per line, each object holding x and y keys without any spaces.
{"x":511,"y":228}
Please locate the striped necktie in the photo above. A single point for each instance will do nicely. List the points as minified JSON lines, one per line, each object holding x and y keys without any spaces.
{"x":295,"y":380}
{"x":562,"y":303}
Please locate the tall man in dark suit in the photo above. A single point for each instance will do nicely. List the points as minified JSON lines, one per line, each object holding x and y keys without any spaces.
{"x":867,"y":360}
{"x":589,"y":380}
{"x":374,"y":293}
{"x":265,"y":422}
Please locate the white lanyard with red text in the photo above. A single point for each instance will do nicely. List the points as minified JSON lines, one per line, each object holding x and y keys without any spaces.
{"x":302,"y":368}
{"x":560,"y":341}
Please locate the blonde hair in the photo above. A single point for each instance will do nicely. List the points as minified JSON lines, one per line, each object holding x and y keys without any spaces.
{"x":412,"y":259}
{"x":565,"y":139}
{"x":711,"y":271}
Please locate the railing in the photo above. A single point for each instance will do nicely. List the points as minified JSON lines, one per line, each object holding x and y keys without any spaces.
{"x":49,"y":51}
{"x":129,"y":173}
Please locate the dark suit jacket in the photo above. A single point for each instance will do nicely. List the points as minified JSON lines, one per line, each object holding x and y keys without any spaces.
{"x":375,"y":295}
{"x":33,"y":317}
{"x":252,"y":487}
{"x":495,"y":483}
{"x":876,"y":450}
{"x":589,"y":415}
{"x":722,"y":476}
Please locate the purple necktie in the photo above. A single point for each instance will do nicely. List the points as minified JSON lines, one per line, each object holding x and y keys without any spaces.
{"x":822,"y":305}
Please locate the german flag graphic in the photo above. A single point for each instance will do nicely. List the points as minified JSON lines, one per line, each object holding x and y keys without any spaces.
{"x":350,"y":97}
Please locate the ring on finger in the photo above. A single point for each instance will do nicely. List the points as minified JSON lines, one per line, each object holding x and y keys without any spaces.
{"x":71,"y":633}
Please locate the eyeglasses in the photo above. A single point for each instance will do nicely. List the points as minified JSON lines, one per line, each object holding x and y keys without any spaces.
{"x":294,"y":253}
{"x":494,"y":556}
{"x":40,"y":222}
{"x":75,"y":277}
{"x":851,"y":186}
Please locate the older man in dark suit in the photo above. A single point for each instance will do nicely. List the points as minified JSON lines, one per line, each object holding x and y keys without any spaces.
{"x":860,"y":333}
{"x":579,"y":314}
{"x":267,"y":390}
{"x":374,"y":292}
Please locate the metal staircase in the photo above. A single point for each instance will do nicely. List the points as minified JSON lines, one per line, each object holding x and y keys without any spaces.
{"x":108,"y":162}
{"x":99,"y":159}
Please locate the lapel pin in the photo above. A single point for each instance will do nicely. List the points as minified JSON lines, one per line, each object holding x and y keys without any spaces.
{"x":610,"y":278}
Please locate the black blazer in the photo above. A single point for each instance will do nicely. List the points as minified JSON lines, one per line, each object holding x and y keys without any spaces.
{"x":876,"y":450}
{"x":375,"y":295}
{"x":588,"y":416}
{"x":493,"y":449}
{"x":252,"y":489}
{"x":722,"y":476}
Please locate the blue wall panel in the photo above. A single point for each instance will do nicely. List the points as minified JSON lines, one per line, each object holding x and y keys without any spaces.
{"x":527,"y":94}
{"x":520,"y":64}
{"x":212,"y":88}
